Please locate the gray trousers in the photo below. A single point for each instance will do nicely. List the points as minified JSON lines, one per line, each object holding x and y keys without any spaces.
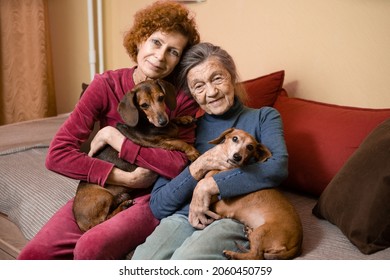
{"x":175,"y":239}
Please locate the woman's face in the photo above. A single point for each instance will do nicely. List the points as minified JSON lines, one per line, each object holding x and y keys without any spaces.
{"x":211,"y":86}
{"x":159,"y":54}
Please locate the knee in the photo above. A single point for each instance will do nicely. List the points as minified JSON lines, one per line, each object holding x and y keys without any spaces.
{"x":209,"y":244}
{"x":89,"y":248}
{"x":36,"y":251}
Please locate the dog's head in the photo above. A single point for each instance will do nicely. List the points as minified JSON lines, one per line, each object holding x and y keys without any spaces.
{"x":149,"y":100}
{"x":240,"y":147}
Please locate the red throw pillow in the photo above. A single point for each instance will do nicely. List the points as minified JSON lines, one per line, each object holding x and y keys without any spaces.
{"x":321,"y":137}
{"x":264,"y":90}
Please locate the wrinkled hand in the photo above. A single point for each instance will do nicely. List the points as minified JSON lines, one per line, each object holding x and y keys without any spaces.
{"x":213,"y":159}
{"x":108,"y":135}
{"x":200,"y":214}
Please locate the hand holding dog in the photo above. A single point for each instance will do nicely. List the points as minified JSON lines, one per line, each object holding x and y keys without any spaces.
{"x":108,"y":135}
{"x":213,"y":159}
{"x":200,"y":214}
{"x":139,"y":178}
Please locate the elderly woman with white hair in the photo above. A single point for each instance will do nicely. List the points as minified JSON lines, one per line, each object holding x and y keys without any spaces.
{"x":188,"y":230}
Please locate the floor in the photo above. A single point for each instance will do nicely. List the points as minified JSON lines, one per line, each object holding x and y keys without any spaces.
{"x":11,"y":239}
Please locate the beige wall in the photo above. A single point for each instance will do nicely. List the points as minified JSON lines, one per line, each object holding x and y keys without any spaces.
{"x":69,"y":35}
{"x":333,"y":51}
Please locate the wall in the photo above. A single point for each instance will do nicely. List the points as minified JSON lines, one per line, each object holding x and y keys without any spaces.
{"x":333,"y":51}
{"x":69,"y":35}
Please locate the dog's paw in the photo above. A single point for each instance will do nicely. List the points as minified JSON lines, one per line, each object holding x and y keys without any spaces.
{"x":184,"y":120}
{"x":227,"y":254}
{"x":248,"y":230}
{"x":121,"y":197}
{"x":126,"y":204}
{"x":193,"y":154}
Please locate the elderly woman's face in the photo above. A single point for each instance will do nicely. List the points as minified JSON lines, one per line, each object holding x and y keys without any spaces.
{"x":211,"y":86}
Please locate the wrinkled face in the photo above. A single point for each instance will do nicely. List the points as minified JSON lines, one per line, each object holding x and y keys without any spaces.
{"x":211,"y":86}
{"x":159,"y":54}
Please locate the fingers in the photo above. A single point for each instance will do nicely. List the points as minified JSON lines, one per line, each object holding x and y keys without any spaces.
{"x":106,"y":136}
{"x":96,"y":145}
{"x":213,"y":215}
{"x":92,"y":151}
{"x":98,"y":142}
{"x":216,"y":161}
{"x":208,"y":162}
{"x":199,"y":221}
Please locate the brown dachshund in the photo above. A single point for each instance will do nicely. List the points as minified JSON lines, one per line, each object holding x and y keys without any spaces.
{"x":146,"y":123}
{"x":273,"y":226}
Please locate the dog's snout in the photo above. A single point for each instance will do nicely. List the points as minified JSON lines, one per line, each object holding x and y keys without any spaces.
{"x":162,"y":121}
{"x":237,"y":157}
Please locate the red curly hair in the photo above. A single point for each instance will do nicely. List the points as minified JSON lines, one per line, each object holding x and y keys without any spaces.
{"x":165,"y":16}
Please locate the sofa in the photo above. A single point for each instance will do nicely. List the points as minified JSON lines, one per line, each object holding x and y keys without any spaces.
{"x":339,"y":175}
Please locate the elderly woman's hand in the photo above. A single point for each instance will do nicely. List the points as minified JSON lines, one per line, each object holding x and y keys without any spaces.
{"x":200,"y":214}
{"x":108,"y":135}
{"x":213,"y":159}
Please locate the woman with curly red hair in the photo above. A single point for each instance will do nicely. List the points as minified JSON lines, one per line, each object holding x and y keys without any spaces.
{"x":161,"y":33}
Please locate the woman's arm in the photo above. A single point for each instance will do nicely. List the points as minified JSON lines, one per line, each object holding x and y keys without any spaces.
{"x":168,"y":196}
{"x":64,"y":155}
{"x":166,"y":163}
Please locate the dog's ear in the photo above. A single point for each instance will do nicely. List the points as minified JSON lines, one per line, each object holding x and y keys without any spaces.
{"x":170,"y":93}
{"x":127,"y":109}
{"x":262,"y":153}
{"x":221,"y":137}
{"x":83,"y":88}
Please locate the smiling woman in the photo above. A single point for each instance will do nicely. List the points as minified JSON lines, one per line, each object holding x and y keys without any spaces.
{"x":158,"y":55}
{"x":212,"y":87}
{"x":189,"y":229}
{"x":160,"y":34}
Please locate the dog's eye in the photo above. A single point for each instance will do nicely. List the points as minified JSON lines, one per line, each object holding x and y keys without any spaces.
{"x":161,"y":98}
{"x":235,"y":139}
{"x":250,"y":148}
{"x":144,"y":106}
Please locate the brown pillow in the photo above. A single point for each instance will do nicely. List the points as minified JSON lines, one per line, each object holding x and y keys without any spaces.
{"x":357,"y":200}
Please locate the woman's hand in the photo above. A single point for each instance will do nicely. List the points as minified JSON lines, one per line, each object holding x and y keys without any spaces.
{"x":140,"y":178}
{"x":213,"y":159}
{"x":108,"y":135}
{"x":200,"y":214}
